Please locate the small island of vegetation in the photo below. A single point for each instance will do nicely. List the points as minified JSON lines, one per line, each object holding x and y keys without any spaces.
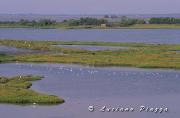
{"x":16,"y":90}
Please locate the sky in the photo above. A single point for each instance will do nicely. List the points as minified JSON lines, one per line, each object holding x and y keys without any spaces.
{"x":89,"y":6}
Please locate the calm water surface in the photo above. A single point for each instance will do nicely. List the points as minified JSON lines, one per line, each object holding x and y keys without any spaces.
{"x":15,"y":51}
{"x":110,"y":35}
{"x":83,"y":86}
{"x":12,"y":50}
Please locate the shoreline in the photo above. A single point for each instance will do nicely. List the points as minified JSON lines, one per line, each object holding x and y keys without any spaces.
{"x":137,"y":26}
{"x":16,"y":90}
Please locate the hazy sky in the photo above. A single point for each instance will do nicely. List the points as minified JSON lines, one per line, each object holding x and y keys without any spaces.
{"x":90,"y":6}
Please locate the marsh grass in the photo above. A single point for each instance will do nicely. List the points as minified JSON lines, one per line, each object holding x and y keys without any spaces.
{"x":137,"y":55}
{"x":6,"y":58}
{"x":16,"y":90}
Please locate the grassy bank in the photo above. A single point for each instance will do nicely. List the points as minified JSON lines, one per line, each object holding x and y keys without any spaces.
{"x":136,"y":26}
{"x":63,"y":26}
{"x":6,"y":58}
{"x":137,"y":55}
{"x":16,"y":90}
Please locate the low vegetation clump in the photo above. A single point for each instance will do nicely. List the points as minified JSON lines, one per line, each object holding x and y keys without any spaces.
{"x":16,"y":90}
{"x":85,"y":21}
{"x":125,"y":21}
{"x":6,"y":58}
{"x":39,"y":45}
{"x":164,"y":20}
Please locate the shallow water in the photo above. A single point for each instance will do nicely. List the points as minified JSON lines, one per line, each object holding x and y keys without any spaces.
{"x":111,"y":86}
{"x":110,"y":35}
{"x":14,"y":51}
{"x":177,"y":51}
{"x":92,"y":48}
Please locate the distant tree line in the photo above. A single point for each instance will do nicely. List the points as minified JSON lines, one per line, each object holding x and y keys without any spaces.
{"x":94,"y":21}
{"x":125,"y":21}
{"x":164,"y":20}
{"x":110,"y":16}
{"x":106,"y":21}
{"x":85,"y":21}
{"x":42,"y":22}
{"x":25,"y":22}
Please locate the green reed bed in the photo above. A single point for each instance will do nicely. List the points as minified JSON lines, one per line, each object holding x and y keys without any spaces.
{"x":16,"y":90}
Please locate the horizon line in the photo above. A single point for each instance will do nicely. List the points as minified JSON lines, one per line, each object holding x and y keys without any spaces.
{"x":88,"y":14}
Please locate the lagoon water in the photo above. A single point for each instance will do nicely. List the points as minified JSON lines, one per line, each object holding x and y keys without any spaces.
{"x":82,"y":86}
{"x":14,"y":51}
{"x":110,"y":35}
